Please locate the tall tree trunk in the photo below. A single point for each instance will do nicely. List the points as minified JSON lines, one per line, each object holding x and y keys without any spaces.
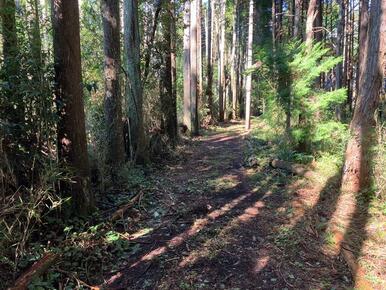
{"x":318,"y":22}
{"x":173,"y":38}
{"x":339,"y":50}
{"x":187,"y":101}
{"x":72,"y":144}
{"x":193,"y":67}
{"x":234,"y":69}
{"x":357,"y":168}
{"x":209,"y":88}
{"x":199,"y":54}
{"x":339,"y":53}
{"x":113,"y":99}
{"x":363,"y":26}
{"x":297,"y":17}
{"x":8,"y":22}
{"x":168,"y":100}
{"x":248,"y":85}
{"x":134,"y":83}
{"x":311,"y":16}
{"x":221,"y":71}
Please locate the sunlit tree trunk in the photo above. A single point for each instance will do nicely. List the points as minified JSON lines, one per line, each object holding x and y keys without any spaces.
{"x":248,"y":85}
{"x":187,"y":102}
{"x":134,"y":83}
{"x":234,"y":75}
{"x":221,"y":72}
{"x":72,"y":144}
{"x":363,"y":26}
{"x":115,"y":155}
{"x":209,"y":88}
{"x":199,"y":53}
{"x":193,"y":67}
{"x":311,"y":16}
{"x":357,"y":168}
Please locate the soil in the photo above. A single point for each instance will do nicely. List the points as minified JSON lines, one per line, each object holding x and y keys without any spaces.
{"x":228,"y":226}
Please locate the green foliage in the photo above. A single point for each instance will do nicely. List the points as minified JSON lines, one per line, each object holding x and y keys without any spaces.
{"x":287,"y":81}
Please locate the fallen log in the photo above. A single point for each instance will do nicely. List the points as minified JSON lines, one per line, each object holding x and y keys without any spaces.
{"x":123,"y":209}
{"x":297,"y":169}
{"x":36,"y":270}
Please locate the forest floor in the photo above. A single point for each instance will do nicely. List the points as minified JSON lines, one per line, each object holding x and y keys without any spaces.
{"x":216,"y":214}
{"x":224,"y":223}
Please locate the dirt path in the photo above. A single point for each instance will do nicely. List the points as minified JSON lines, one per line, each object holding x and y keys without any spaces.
{"x":225,"y":226}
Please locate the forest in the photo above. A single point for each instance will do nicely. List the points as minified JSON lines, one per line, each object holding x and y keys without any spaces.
{"x":192,"y":144}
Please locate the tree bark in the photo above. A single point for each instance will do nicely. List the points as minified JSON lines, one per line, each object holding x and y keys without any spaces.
{"x":311,"y":16}
{"x":248,"y":85}
{"x":134,"y":83}
{"x":234,"y":69}
{"x":221,"y":71}
{"x":193,"y":67}
{"x":199,"y":54}
{"x":168,"y":100}
{"x":357,"y":168}
{"x":209,"y":91}
{"x":187,"y":102}
{"x":363,"y":27}
{"x":297,"y":16}
{"x":72,"y":143}
{"x":115,"y":156}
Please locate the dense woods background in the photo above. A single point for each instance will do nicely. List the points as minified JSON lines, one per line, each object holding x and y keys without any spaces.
{"x":94,"y":93}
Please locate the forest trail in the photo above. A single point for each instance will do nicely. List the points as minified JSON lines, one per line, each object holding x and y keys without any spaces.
{"x":227,"y":226}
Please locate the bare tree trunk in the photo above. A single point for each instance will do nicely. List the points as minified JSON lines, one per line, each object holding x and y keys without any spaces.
{"x":72,"y":144}
{"x":199,"y":54}
{"x":248,"y":84}
{"x":187,"y":101}
{"x":193,"y":67}
{"x":234,"y":75}
{"x":168,"y":100}
{"x":297,"y":16}
{"x":363,"y":26}
{"x":209,"y":89}
{"x":311,"y":16}
{"x":357,"y":169}
{"x":173,"y":37}
{"x":134,"y":83}
{"x":221,"y":71}
{"x":113,"y":99}
{"x":318,"y":22}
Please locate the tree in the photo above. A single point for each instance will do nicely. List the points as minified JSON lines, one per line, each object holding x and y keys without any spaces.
{"x":221,"y":71}
{"x":113,"y":100}
{"x":234,"y":63}
{"x":363,"y":26}
{"x":356,"y":173}
{"x":190,"y":67}
{"x":312,"y":13}
{"x":248,"y":85}
{"x":72,"y":144}
{"x":209,"y":91}
{"x":168,"y":96}
{"x":297,"y":16}
{"x":133,"y":82}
